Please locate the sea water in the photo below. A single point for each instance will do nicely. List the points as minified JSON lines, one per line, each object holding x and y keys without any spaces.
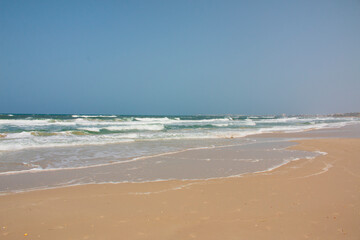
{"x":48,"y":143}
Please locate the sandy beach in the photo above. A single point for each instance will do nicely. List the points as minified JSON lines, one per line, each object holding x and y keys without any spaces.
{"x":305,"y":199}
{"x":179,"y":120}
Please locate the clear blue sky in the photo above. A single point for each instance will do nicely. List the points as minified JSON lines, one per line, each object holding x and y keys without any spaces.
{"x":179,"y":57}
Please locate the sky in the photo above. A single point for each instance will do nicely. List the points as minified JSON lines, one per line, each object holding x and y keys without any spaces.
{"x":180,"y":57}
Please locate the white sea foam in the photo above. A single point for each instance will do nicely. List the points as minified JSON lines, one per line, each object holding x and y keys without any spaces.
{"x":166,"y":120}
{"x":91,"y":129}
{"x":157,"y":127}
{"x":220,"y":124}
{"x":94,"y":116}
{"x":19,"y":135}
{"x":64,"y":142}
{"x":300,"y":128}
{"x":321,"y":153}
{"x":215,"y":120}
{"x":146,"y":119}
{"x":278,"y":120}
{"x":50,"y":122}
{"x":250,"y":122}
{"x":23,"y":122}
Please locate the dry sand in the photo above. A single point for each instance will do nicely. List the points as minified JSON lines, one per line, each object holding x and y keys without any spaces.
{"x":304,"y":199}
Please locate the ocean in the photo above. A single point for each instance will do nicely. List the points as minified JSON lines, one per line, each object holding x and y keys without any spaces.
{"x":47,"y":143}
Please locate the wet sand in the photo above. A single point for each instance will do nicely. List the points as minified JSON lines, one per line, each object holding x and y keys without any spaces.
{"x":305,"y":199}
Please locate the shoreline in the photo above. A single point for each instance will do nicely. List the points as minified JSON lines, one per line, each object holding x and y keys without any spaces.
{"x":228,"y":151}
{"x":298,"y":200}
{"x":39,"y":167}
{"x":43,"y":174}
{"x":163,"y":180}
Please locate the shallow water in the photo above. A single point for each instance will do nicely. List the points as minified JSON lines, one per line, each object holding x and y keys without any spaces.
{"x":228,"y":158}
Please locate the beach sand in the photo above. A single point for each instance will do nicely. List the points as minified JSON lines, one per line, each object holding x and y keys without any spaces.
{"x":305,"y":199}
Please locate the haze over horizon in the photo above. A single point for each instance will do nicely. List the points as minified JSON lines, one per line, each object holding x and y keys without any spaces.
{"x":179,"y":57}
